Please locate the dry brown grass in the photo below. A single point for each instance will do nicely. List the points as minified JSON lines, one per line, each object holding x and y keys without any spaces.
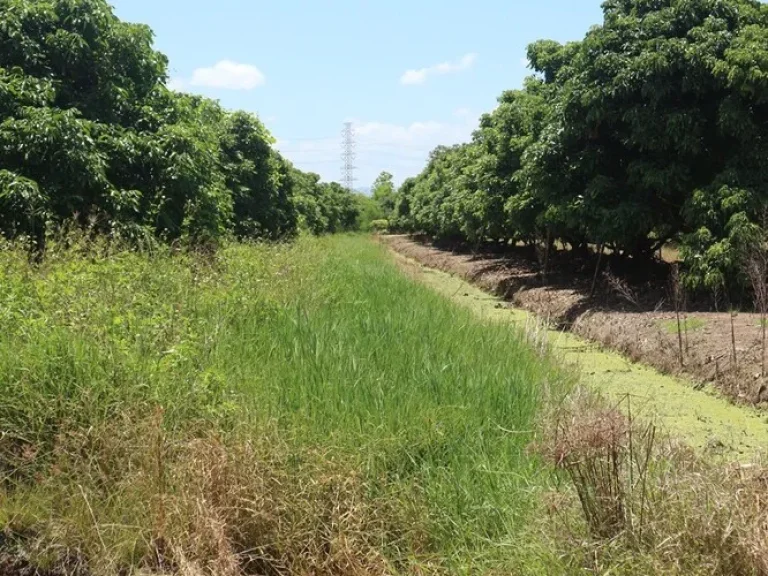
{"x":198,"y":506}
{"x":634,"y":502}
{"x":606,"y":459}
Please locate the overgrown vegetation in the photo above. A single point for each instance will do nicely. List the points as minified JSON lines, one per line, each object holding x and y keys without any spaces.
{"x":649,"y":130}
{"x":635,"y":502}
{"x":623,"y":497}
{"x":298,"y":408}
{"x":304,"y":408}
{"x":279,"y":409}
{"x":89,"y":130}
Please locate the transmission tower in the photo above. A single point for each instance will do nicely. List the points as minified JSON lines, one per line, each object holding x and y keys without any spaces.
{"x":348,"y":157}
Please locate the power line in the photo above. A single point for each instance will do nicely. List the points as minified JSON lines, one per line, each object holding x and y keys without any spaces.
{"x":296,"y":145}
{"x":322,"y":153}
{"x":364,"y":157}
{"x":348,"y":157}
{"x":358,"y":165}
{"x":319,"y":154}
{"x":415,"y":156}
{"x":360,"y":140}
{"x":316,"y":162}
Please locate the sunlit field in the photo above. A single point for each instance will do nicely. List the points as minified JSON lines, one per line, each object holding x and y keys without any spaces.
{"x":286,"y":406}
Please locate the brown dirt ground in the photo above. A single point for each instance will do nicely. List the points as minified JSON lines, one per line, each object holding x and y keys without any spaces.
{"x":637,"y":322}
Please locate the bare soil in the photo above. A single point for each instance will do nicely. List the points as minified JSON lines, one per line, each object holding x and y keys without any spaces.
{"x":630,"y":311}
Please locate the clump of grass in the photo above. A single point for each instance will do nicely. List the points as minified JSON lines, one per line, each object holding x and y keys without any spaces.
{"x":637,"y":503}
{"x":275,"y":409}
{"x":607,"y":460}
{"x":211,"y":504}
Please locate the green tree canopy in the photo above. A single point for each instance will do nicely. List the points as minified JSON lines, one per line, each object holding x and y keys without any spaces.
{"x":652,"y":128}
{"x":88,"y":130}
{"x":383,"y":192}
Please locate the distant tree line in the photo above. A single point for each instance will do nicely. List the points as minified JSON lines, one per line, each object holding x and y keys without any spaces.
{"x":652,"y":129}
{"x":89,"y":131}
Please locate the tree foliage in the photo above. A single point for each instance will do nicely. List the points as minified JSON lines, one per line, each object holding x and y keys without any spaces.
{"x":369,"y":211}
{"x":383,"y":192}
{"x":88,"y":130}
{"x":652,"y":128}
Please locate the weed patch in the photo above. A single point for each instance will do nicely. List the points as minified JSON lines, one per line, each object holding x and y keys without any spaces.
{"x":632,"y":501}
{"x":270,"y":409}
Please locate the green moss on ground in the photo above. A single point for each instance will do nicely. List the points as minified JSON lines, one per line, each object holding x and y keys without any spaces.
{"x":689,"y":324}
{"x":699,"y":416}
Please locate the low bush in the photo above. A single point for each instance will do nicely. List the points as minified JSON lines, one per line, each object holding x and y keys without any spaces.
{"x":380,"y":225}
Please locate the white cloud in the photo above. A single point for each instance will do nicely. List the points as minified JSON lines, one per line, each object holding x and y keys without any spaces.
{"x":420,"y":75}
{"x":462,"y":112}
{"x":423,"y":134}
{"x":228,"y":75}
{"x":414,"y":76}
{"x":177,"y":84}
{"x":524,"y":62}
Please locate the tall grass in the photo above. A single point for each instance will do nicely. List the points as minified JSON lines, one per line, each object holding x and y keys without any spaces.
{"x":269,"y":409}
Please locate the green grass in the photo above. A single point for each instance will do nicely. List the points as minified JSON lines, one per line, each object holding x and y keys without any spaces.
{"x":691,"y":324}
{"x":317,"y":359}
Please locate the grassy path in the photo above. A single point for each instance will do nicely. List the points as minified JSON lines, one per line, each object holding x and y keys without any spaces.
{"x":306,"y":408}
{"x":704,"y":420}
{"x":301,"y":408}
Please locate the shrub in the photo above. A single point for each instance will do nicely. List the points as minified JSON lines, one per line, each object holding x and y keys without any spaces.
{"x":380,"y":225}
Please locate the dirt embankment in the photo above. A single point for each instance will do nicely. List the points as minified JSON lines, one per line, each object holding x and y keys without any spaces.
{"x":632,"y":316}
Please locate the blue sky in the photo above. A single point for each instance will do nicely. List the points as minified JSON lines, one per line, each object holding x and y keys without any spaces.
{"x":410,"y":74}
